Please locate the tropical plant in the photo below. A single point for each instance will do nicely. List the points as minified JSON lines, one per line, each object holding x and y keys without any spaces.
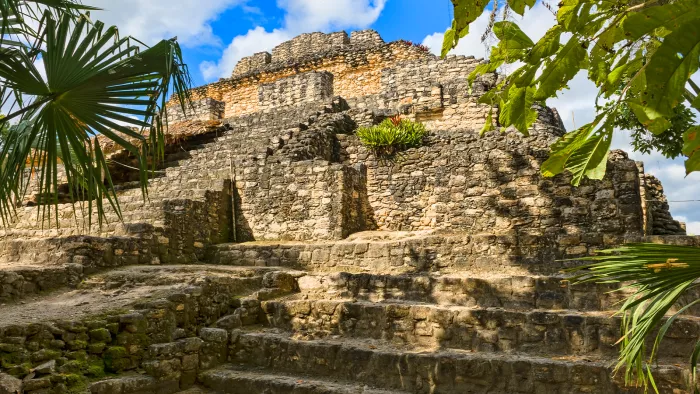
{"x":669,"y":143}
{"x":653,"y":45}
{"x":658,"y":276}
{"x":95,"y":83}
{"x":392,"y":135}
{"x":4,"y":129}
{"x":415,"y":45}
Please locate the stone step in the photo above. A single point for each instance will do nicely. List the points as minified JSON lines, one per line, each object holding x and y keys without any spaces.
{"x":421,"y":252}
{"x":511,"y":292}
{"x":416,"y":253}
{"x":475,"y":329}
{"x":435,"y":370}
{"x":232,"y":380}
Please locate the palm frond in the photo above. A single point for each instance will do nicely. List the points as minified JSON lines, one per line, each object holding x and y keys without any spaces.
{"x":96,"y":84}
{"x":657,"y":276}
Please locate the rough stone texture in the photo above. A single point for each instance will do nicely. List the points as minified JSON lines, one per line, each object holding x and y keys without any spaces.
{"x":430,"y":252}
{"x":167,"y":337}
{"x":659,"y":219}
{"x":205,"y":109}
{"x":10,"y":385}
{"x":307,"y":87}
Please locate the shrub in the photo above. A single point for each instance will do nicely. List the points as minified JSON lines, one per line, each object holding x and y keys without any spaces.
{"x":392,"y":135}
{"x":413,"y":44}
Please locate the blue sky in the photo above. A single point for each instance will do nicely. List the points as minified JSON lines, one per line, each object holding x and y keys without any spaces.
{"x":215,"y":34}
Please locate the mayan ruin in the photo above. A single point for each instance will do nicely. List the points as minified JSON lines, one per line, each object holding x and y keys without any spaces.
{"x":275,"y":253}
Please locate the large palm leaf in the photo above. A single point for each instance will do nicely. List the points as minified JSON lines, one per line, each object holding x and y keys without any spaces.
{"x":96,"y":84}
{"x":657,"y":277}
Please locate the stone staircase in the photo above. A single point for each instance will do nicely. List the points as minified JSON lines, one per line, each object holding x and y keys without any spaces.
{"x":428,"y":332}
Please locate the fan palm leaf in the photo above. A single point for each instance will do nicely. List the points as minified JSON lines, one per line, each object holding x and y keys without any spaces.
{"x":96,"y":84}
{"x":656,"y":277}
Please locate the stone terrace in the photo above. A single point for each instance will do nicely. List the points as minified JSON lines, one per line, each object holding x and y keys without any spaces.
{"x":276,"y":254}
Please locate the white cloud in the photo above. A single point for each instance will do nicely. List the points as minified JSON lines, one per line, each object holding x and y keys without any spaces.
{"x":301,"y":16}
{"x":256,"y":40}
{"x":153,"y":20}
{"x":311,"y":15}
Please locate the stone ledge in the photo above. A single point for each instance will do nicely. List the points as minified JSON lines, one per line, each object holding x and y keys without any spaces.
{"x":381,"y":365}
{"x":446,"y":253}
{"x":493,"y":330}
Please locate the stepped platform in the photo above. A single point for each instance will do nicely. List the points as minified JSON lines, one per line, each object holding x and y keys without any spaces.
{"x":277,"y":254}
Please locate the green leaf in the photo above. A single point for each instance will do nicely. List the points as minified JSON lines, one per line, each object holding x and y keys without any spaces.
{"x":590,"y":159}
{"x":653,"y":278}
{"x":517,"y":110}
{"x":546,"y":46}
{"x":670,"y":68}
{"x":465,"y":12}
{"x":524,"y":76}
{"x":691,"y":148}
{"x":448,"y":42}
{"x":565,"y":146}
{"x":484,"y":68}
{"x":670,"y":16}
{"x":567,"y":15}
{"x":656,"y":125}
{"x":488,"y":126}
{"x":601,"y":57}
{"x":569,"y":60}
{"x":509,"y":31}
{"x":92,"y":76}
{"x":519,"y":5}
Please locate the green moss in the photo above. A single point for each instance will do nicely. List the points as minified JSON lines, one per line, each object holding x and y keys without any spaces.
{"x":96,"y":371}
{"x":101,"y":335}
{"x":74,"y":367}
{"x":20,"y":370}
{"x":77,"y":344}
{"x":75,"y":383}
{"x":8,"y":360}
{"x":116,"y":358}
{"x":116,"y":352}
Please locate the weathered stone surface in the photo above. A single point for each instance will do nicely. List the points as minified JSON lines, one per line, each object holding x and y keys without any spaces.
{"x":10,"y":384}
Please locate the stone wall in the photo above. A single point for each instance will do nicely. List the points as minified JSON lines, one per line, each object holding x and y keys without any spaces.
{"x":296,"y":201}
{"x":461,"y":182}
{"x":307,"y":87}
{"x":168,"y":337}
{"x":307,"y":45}
{"x":203,"y":109}
{"x":659,"y":219}
{"x":187,"y":215}
{"x":355,"y":63}
{"x":31,"y":266}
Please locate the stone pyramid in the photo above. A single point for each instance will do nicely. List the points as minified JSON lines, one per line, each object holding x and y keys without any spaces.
{"x":276,"y":254}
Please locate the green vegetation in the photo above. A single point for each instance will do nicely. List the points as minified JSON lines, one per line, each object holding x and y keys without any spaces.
{"x":658,"y":276}
{"x":652,"y":48}
{"x":97,"y":83}
{"x":392,"y":135}
{"x":669,"y":143}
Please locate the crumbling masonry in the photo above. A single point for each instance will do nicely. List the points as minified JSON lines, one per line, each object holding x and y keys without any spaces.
{"x":276,"y":254}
